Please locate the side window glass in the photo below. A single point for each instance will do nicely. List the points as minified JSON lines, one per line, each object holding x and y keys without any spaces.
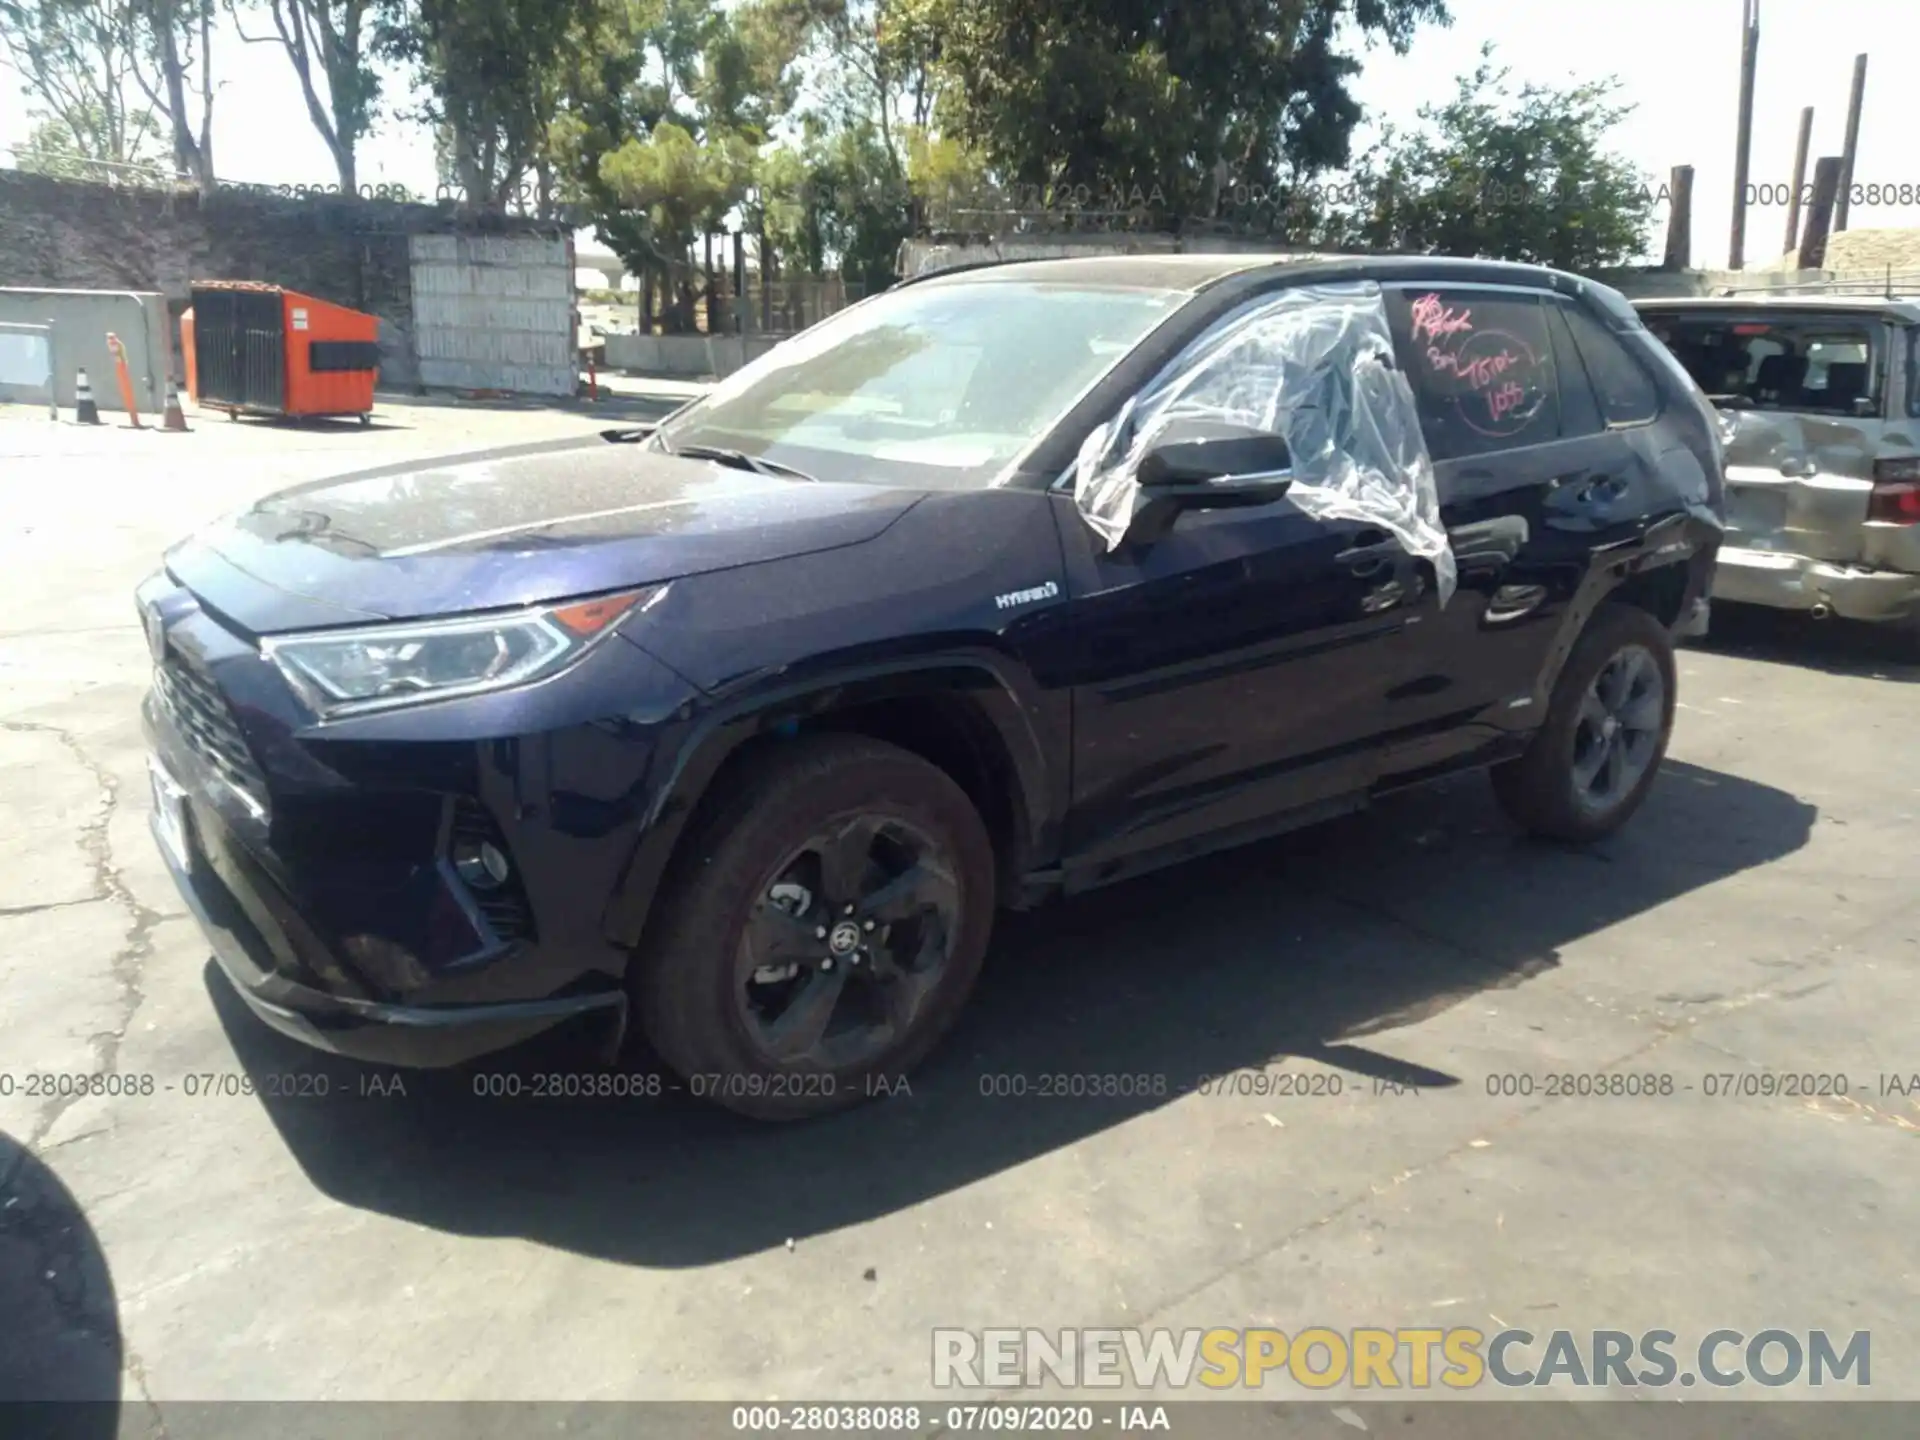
{"x":1241,"y":392}
{"x":1626,"y":392}
{"x":1482,"y":369}
{"x":1579,"y":409}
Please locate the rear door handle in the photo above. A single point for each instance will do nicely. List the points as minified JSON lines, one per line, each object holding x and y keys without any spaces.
{"x":1601,"y":490}
{"x":1494,"y":542}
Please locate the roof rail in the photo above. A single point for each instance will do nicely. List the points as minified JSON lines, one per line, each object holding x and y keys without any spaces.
{"x":959,"y":269}
{"x":1890,"y":286}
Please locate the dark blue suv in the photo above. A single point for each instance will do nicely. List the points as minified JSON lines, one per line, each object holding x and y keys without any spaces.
{"x":1006,"y":583}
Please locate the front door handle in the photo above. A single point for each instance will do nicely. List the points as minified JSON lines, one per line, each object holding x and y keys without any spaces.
{"x":1373,"y":551}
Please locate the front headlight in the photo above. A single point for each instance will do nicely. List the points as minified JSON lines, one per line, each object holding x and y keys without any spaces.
{"x":378,"y":667}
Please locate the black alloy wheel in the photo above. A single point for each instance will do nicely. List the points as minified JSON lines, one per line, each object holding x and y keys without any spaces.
{"x":822,"y":926}
{"x":1595,"y":757}
{"x":846,"y":947}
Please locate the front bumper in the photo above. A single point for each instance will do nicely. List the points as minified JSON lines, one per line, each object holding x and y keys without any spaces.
{"x":324,"y":862}
{"x":1798,"y":582}
{"x":402,"y":975}
{"x":420,"y":1037}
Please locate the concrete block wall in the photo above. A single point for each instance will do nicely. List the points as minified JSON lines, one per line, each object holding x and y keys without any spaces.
{"x":1652,"y":284}
{"x":71,"y":234}
{"x":494,"y":312}
{"x":921,"y":257}
{"x":686,"y":357}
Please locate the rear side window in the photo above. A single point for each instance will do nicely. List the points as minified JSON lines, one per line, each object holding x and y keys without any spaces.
{"x":1913,"y":372}
{"x":1482,"y":369}
{"x":1579,"y":406}
{"x":1626,"y":392}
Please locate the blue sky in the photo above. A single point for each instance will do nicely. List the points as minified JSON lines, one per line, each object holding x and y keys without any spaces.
{"x":1678,"y":59}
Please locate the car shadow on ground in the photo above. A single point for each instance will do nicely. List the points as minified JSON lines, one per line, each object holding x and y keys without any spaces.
{"x":1835,"y":647}
{"x":1304,"y":946}
{"x":60,"y":1341}
{"x":305,"y":424}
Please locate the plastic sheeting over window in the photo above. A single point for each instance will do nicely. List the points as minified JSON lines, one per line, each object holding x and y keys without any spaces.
{"x":1314,"y":365}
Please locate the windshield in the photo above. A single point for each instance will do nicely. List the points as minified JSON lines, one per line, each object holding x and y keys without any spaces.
{"x":1817,"y":363}
{"x":936,"y":385}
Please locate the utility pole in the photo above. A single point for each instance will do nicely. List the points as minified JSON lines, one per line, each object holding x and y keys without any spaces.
{"x":1826,"y":181}
{"x":1743,"y":145}
{"x":1852,"y":147}
{"x":1679,"y":218}
{"x":1799,"y":179}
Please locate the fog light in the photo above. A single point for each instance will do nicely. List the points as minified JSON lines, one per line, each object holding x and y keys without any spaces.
{"x":481,"y":864}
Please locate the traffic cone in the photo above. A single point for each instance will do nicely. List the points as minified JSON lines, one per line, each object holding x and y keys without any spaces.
{"x":85,"y":412}
{"x":173,"y":419}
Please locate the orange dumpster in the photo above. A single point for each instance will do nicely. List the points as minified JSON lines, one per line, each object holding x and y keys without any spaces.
{"x":262,"y":350}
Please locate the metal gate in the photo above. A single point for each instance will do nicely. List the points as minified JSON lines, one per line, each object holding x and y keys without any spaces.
{"x":239,"y":342}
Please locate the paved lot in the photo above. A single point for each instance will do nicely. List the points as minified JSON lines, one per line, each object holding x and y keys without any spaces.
{"x":1761,"y":916}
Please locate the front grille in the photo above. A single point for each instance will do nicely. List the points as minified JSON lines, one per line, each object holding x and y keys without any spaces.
{"x":505,"y":908}
{"x":200,"y":713}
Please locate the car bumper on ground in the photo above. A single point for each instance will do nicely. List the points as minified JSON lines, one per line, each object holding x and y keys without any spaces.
{"x":1798,"y":582}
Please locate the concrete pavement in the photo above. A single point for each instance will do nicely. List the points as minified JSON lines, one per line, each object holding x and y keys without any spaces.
{"x":1420,"y":970}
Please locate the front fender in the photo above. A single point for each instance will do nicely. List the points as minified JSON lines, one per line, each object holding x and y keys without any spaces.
{"x":1022,"y":735}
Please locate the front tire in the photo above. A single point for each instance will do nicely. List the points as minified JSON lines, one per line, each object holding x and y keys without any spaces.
{"x":1906,"y":646}
{"x":825,"y":923}
{"x":1591,"y":764}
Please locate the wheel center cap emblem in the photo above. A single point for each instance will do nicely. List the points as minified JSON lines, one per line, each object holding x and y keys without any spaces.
{"x":845,"y":938}
{"x":1609,"y":728}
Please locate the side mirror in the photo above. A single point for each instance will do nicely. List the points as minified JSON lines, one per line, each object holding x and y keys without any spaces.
{"x":1217,"y":457}
{"x":1207,"y":465}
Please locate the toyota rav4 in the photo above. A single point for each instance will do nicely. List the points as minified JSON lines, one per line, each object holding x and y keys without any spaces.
{"x":1007,"y":583}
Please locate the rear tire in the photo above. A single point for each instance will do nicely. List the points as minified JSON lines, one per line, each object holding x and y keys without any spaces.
{"x":756,"y":891}
{"x":1591,"y":764}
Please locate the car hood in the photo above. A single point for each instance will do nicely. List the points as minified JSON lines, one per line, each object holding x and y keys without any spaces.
{"x":507,"y":528}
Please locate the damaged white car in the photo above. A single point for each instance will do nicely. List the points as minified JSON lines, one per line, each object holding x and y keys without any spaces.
{"x":1821,"y":401}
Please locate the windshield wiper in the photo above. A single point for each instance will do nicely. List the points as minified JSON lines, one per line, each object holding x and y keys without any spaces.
{"x":737,"y":460}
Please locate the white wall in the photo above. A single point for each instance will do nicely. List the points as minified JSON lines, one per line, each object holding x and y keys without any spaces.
{"x":494,"y":312}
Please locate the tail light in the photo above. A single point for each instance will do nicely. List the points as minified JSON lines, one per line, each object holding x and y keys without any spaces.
{"x":1896,"y":491}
